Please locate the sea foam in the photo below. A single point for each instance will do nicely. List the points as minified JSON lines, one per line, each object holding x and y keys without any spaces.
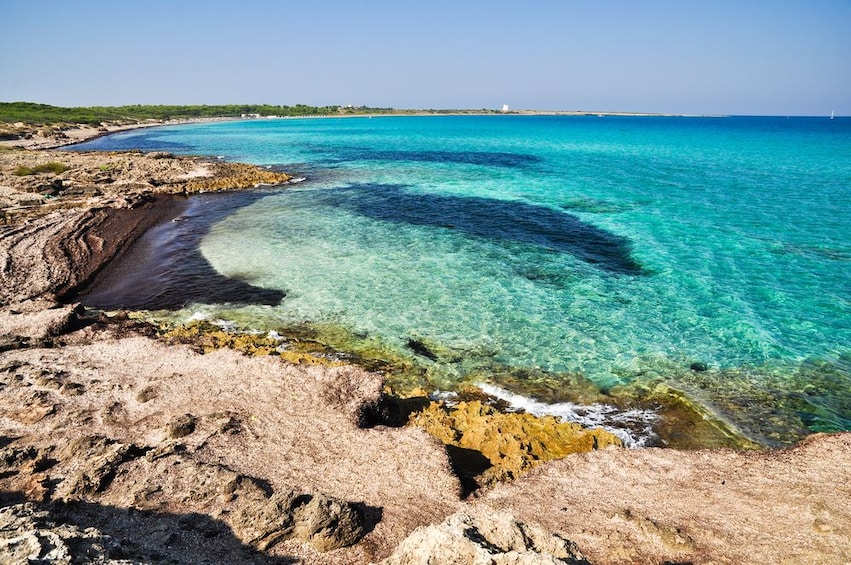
{"x":634,"y":427}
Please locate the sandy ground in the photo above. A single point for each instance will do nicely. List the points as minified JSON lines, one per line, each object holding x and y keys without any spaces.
{"x":161,"y":453}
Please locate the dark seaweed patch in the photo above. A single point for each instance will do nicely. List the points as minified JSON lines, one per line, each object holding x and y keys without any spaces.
{"x":501,"y":220}
{"x":482,"y":158}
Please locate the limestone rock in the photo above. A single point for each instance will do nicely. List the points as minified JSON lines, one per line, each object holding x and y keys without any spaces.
{"x":324,"y":522}
{"x":181,"y":426}
{"x":497,"y":539}
{"x":92,"y":463}
{"x":28,"y":535}
{"x":511,"y":442}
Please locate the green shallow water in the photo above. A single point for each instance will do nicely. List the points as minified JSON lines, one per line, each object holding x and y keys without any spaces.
{"x":624,"y":252}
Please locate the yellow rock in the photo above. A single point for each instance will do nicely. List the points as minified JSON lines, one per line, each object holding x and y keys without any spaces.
{"x":511,"y":442}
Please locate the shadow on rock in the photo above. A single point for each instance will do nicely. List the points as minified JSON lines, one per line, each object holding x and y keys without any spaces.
{"x":85,"y":532}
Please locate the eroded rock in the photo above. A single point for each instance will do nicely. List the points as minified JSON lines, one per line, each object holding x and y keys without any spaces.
{"x":324,"y":522}
{"x":29,"y":535}
{"x":92,"y":462}
{"x":511,"y":442}
{"x":496,"y":539}
{"x":180,"y":427}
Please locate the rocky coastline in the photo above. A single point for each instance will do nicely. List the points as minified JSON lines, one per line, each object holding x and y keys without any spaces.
{"x":119,"y":444}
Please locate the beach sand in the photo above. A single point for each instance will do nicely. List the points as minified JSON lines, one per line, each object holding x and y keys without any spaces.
{"x":116,"y":445}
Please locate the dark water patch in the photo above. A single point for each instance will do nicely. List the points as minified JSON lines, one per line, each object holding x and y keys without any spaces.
{"x":165,"y":269}
{"x":819,"y":252}
{"x":544,"y":273}
{"x":500,"y":220}
{"x":595,"y":206}
{"x":481,"y":158}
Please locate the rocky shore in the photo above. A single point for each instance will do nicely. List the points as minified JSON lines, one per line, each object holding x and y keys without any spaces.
{"x":118,"y":445}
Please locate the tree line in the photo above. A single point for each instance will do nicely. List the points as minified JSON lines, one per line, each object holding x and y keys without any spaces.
{"x":30,"y":112}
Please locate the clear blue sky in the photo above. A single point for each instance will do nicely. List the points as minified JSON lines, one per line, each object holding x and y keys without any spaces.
{"x":713,"y":56}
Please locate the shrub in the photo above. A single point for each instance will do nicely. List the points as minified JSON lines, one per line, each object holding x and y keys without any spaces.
{"x":51,"y":167}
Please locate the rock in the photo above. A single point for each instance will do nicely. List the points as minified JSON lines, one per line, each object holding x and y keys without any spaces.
{"x":28,"y":535}
{"x":259,"y":516}
{"x":496,"y":539}
{"x":146,"y":394}
{"x":511,"y":442}
{"x":699,"y":367}
{"x":180,"y":427}
{"x":39,"y":321}
{"x":420,"y":348}
{"x":92,"y":462}
{"x":9,"y":342}
{"x":160,"y":155}
{"x":325,"y":522}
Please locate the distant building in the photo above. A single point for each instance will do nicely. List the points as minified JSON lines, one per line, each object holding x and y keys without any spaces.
{"x":505,"y":107}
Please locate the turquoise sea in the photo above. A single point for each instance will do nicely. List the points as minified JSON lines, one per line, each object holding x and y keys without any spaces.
{"x":708,"y":255}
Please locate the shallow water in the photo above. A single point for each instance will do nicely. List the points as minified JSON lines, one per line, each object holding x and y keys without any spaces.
{"x":625,"y":251}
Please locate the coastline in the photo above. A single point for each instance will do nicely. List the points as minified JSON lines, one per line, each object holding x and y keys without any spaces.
{"x":92,"y":383}
{"x":62,"y":135}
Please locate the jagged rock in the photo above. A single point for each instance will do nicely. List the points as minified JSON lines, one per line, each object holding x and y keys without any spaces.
{"x":9,"y":342}
{"x":33,"y":324}
{"x":28,"y":535}
{"x":258,"y":515}
{"x":512,"y":442}
{"x":325,"y":522}
{"x":160,"y":155}
{"x":94,"y":461}
{"x":497,"y":539}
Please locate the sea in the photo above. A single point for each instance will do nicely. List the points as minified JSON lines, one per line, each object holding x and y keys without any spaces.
{"x":570,"y":265}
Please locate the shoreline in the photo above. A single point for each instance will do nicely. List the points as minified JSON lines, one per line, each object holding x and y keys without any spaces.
{"x":56,"y":136}
{"x":69,"y":380}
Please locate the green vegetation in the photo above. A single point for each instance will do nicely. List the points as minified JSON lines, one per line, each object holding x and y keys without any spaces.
{"x":51,"y":167}
{"x":43,"y":114}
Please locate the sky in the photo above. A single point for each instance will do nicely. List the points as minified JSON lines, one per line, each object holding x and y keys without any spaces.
{"x":770,"y":57}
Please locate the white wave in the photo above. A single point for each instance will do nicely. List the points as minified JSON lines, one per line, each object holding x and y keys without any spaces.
{"x":633,"y":427}
{"x":225,"y":325}
{"x":448,"y":397}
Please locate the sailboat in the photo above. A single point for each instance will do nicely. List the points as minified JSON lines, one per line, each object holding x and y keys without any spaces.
{"x":831,"y":114}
